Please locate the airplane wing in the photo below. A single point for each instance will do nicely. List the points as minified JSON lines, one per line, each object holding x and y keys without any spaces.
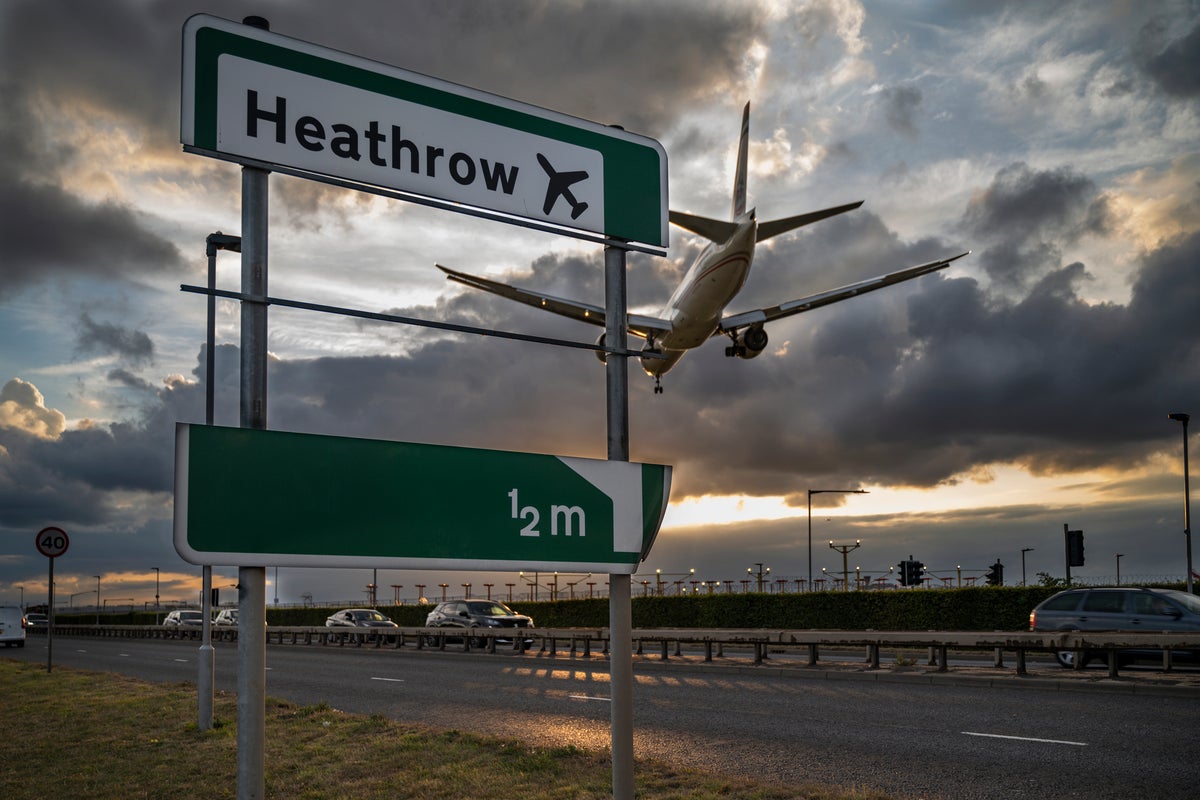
{"x":736,"y":322}
{"x":636,"y":324}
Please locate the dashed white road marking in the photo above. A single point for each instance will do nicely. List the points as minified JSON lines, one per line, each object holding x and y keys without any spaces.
{"x":1025,"y":738}
{"x":389,"y":680}
{"x":589,"y":697}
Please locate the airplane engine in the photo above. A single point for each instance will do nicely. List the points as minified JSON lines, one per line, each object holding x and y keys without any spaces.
{"x":749,"y":343}
{"x":600,"y":354}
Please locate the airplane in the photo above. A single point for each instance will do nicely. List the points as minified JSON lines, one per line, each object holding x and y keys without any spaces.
{"x":559,"y":186}
{"x":695,"y":312}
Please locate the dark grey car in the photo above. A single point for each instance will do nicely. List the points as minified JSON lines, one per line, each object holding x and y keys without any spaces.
{"x":1118,"y":609}
{"x":476,"y":614}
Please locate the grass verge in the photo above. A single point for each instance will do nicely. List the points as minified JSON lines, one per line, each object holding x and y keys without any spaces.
{"x":98,"y":735}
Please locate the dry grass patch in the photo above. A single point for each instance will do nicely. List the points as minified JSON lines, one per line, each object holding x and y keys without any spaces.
{"x":99,"y":735}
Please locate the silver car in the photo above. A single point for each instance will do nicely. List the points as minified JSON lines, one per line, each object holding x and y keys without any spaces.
{"x":1118,"y":609}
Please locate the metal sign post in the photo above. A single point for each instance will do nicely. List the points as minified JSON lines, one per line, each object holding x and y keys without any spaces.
{"x":252,"y":581}
{"x":51,"y":542}
{"x":620,"y":610}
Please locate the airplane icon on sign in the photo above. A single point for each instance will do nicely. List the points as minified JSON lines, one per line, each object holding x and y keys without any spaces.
{"x":560,"y":186}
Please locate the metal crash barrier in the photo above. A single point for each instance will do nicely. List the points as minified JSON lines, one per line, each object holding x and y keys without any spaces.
{"x":585,"y":642}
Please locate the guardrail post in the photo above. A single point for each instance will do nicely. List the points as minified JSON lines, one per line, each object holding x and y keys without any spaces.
{"x":664,"y":649}
{"x":932,"y":656}
{"x":1167,"y":665}
{"x":998,"y":658}
{"x":873,"y":655}
{"x":708,"y":649}
{"x":1113,"y":667}
{"x":1021,"y":661}
{"x":812,"y":655}
{"x":942,"y":665}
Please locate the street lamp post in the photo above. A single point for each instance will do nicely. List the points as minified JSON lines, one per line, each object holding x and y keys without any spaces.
{"x":97,"y":577}
{"x":811,"y":492}
{"x":1119,"y":555}
{"x":1024,"y":550}
{"x":156,"y":575}
{"x":1187,"y":495}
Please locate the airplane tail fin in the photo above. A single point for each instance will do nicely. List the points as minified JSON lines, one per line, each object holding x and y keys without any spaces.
{"x":739,"y":180}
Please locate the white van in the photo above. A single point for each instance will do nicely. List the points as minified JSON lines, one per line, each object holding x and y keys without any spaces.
{"x":12,"y":626}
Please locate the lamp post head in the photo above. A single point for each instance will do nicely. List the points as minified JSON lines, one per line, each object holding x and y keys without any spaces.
{"x":1179,"y":416}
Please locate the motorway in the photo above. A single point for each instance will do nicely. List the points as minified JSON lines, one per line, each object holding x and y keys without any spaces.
{"x":949,"y":740}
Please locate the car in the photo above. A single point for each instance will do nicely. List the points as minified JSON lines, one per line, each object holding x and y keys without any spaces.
{"x":476,"y":614}
{"x":226,"y":617}
{"x":184,"y":620}
{"x":358,"y":618}
{"x":1118,"y":609}
{"x":12,"y":626}
{"x":36,"y":620}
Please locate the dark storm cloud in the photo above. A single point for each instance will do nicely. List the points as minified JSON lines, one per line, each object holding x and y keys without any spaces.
{"x":131,"y":346}
{"x":1175,"y":68}
{"x":49,"y":232}
{"x":908,"y":387}
{"x":1026,"y":215}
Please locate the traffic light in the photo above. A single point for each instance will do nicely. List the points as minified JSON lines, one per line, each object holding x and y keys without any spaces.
{"x":995,"y":574}
{"x":911,"y":572}
{"x":1075,"y":548}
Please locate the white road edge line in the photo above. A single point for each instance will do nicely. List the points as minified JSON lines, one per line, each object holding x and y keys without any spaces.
{"x":1024,"y":738}
{"x":389,"y":680}
{"x":589,"y":697}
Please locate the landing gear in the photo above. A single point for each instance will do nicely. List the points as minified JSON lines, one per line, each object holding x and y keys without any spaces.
{"x":658,"y":385}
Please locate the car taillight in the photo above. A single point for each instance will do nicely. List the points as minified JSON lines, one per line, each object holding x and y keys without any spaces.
{"x":1033,"y":620}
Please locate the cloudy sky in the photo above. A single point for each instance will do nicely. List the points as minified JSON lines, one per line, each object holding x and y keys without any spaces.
{"x":983,"y":407}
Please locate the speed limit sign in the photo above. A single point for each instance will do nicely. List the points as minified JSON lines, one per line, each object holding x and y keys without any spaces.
{"x":52,"y":542}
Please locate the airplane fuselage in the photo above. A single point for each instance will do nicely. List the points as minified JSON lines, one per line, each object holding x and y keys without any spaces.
{"x":698,"y":303}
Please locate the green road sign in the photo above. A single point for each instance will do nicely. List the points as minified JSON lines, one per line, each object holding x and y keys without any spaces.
{"x":252,"y":95}
{"x":251,"y":498}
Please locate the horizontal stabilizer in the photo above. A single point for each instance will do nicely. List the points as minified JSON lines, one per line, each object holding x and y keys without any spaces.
{"x":716,"y":230}
{"x":777,"y":226}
